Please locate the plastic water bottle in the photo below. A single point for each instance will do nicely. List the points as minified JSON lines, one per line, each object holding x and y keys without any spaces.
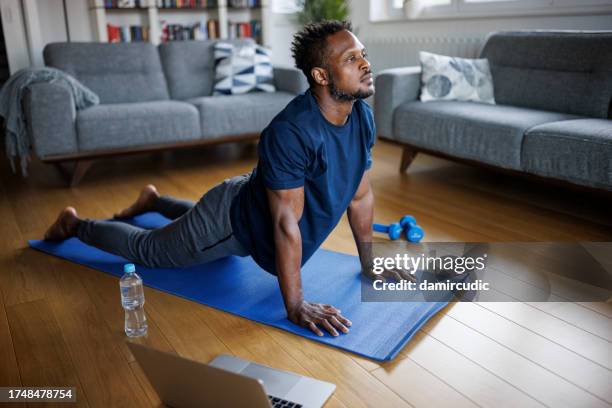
{"x":132,"y":299}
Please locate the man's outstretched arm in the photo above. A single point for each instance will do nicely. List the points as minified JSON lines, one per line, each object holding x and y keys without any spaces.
{"x":360,"y":216}
{"x":286,"y":207}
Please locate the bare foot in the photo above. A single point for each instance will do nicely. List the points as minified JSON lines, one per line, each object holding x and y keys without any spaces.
{"x":143,"y":203}
{"x":64,"y":227}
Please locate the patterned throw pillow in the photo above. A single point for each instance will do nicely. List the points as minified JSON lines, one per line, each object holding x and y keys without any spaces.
{"x":242,"y":68}
{"x":459,"y":79}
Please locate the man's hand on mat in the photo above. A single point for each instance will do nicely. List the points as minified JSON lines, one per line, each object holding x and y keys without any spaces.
{"x":313,"y":315}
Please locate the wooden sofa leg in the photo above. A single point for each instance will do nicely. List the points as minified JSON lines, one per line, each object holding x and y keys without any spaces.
{"x":79,"y":169}
{"x":408,"y":155}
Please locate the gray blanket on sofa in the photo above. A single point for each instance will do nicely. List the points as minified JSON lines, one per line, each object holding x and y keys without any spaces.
{"x":17,"y":141}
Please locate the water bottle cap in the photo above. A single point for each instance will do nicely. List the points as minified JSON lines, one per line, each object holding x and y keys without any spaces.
{"x":129,"y":268}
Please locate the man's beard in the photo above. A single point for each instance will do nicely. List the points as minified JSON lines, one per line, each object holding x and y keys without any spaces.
{"x":340,"y":95}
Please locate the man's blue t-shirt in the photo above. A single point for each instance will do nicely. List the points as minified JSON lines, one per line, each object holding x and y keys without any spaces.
{"x":301,"y":148}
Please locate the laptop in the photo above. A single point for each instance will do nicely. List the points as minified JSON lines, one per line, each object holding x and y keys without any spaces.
{"x":227,"y":381}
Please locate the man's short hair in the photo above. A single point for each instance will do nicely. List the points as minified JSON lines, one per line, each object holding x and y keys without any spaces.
{"x":309,"y":46}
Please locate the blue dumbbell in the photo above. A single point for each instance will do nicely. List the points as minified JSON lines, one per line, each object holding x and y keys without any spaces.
{"x":413,"y":232}
{"x":393,"y":230}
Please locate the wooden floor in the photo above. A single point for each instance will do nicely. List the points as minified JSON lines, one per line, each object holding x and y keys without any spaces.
{"x":62,"y":324}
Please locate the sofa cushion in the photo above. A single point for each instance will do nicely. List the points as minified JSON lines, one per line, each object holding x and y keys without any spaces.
{"x":243,"y":69}
{"x":190,"y":66}
{"x":239,"y":114}
{"x":579,"y":151}
{"x":136,"y":124}
{"x":455,"y":79}
{"x":118,"y":72}
{"x":568,"y":72}
{"x":488,"y":133}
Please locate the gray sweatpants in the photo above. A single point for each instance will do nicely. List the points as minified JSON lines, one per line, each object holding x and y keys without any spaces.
{"x":199,"y":232}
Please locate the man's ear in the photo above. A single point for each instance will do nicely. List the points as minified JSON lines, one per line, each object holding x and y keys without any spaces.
{"x":320,"y":76}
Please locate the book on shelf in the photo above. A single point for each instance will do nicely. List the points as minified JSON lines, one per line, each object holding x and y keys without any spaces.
{"x":126,"y":34}
{"x":133,"y":33}
{"x":203,"y":30}
{"x":244,"y":3}
{"x":124,"y":4}
{"x":251,"y":29}
{"x":195,"y":4}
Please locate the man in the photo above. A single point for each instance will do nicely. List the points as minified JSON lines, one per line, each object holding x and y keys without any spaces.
{"x":313,"y":166}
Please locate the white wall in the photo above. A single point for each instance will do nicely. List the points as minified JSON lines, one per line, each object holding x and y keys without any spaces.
{"x":14,"y":34}
{"x":281,"y":31}
{"x":51,"y":20}
{"x":44,"y":24}
{"x":29,"y":25}
{"x":79,"y":20}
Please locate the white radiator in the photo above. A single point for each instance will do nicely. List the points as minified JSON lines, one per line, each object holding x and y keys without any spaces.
{"x":386,"y":53}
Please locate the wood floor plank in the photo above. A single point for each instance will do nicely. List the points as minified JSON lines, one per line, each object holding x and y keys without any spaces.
{"x":29,"y":197}
{"x":578,"y":316}
{"x":145,"y":384}
{"x":9,"y":371}
{"x":516,"y":217}
{"x":42,"y":355}
{"x":580,"y":342}
{"x":537,"y":271}
{"x":522,"y":373}
{"x":560,"y":361}
{"x":10,"y":238}
{"x":421,"y":388}
{"x":438,"y":228}
{"x":181,"y":322}
{"x":471,"y":380}
{"x":603,"y":308}
{"x":22,"y":282}
{"x":461,"y":373}
{"x":449,"y":213}
{"x":505,"y":286}
{"x":563,"y":362}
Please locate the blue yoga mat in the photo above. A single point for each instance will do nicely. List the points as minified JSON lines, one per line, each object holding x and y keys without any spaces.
{"x":238,"y":286}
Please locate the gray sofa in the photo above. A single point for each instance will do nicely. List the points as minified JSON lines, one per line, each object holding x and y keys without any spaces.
{"x":151,"y":98}
{"x":552,"y":118}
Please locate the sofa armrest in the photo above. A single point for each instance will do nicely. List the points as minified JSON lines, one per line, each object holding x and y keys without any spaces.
{"x":50,"y":115}
{"x":290,"y":80}
{"x":393,"y":87}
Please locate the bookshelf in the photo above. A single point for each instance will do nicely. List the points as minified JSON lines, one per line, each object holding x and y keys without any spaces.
{"x":156,"y":21}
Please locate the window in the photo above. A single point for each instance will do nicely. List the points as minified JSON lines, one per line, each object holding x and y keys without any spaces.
{"x":500,"y":5}
{"x":427,"y":8}
{"x":383,"y":10}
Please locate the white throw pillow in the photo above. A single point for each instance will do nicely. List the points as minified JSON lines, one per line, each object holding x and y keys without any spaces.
{"x":455,"y":79}
{"x":242,"y":69}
